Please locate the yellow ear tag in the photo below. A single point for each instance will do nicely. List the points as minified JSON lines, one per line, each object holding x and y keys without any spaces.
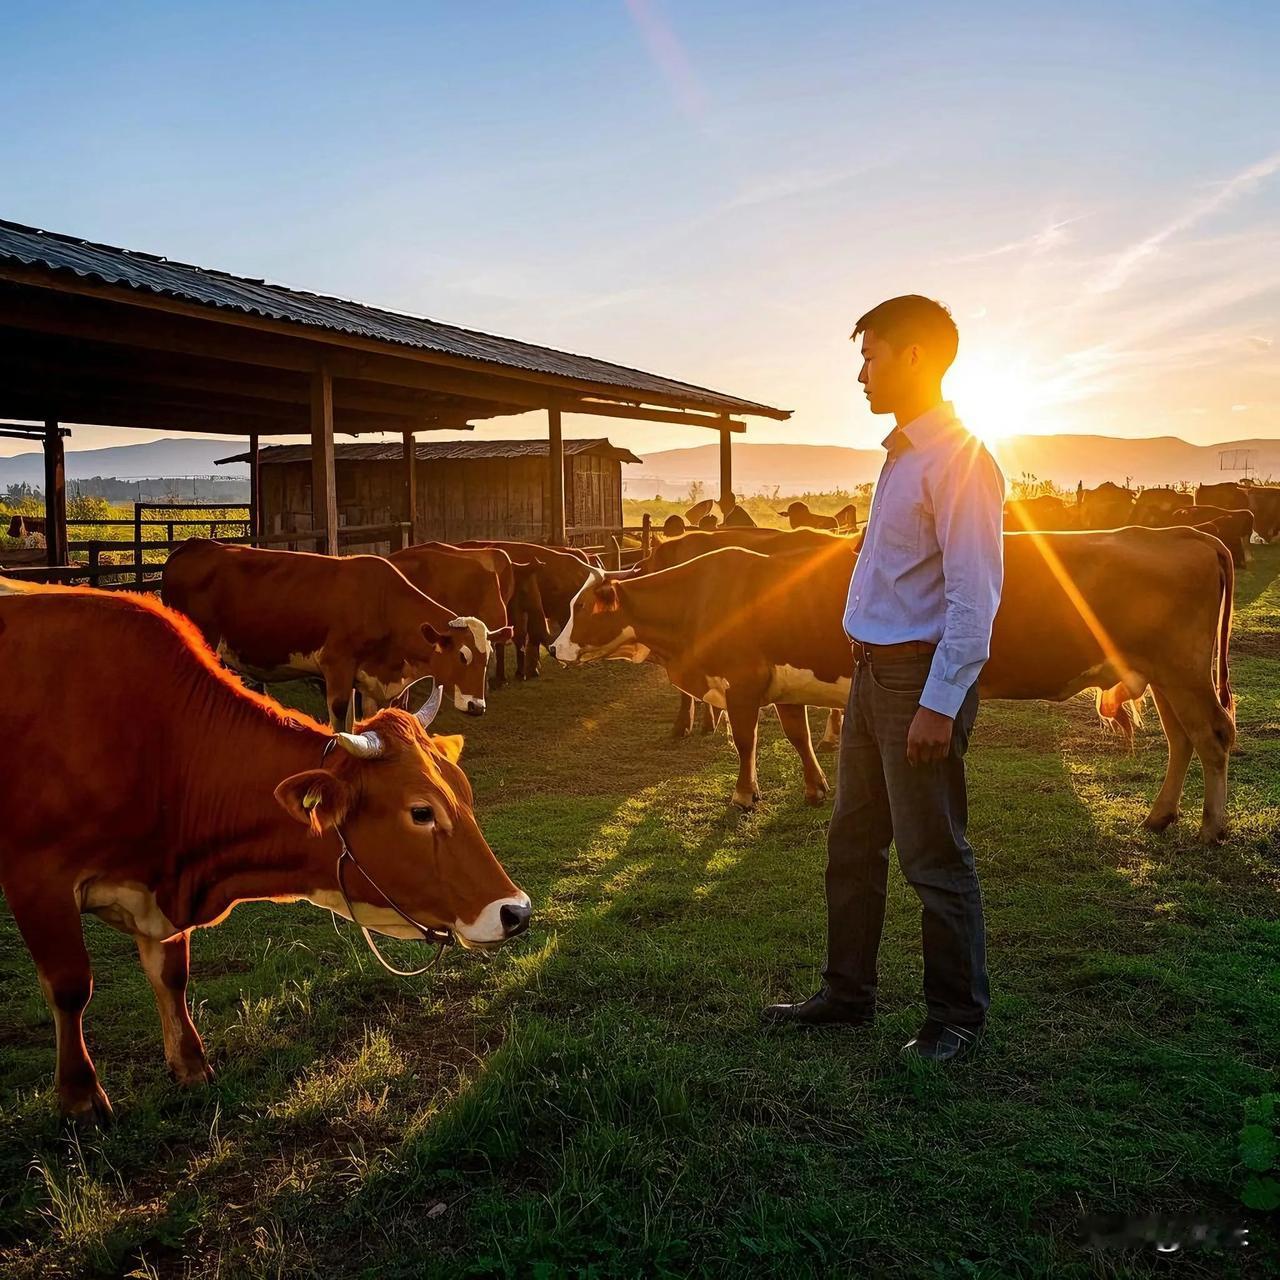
{"x":311,"y":799}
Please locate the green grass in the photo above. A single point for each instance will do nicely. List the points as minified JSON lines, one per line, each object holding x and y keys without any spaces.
{"x":600,"y":1100}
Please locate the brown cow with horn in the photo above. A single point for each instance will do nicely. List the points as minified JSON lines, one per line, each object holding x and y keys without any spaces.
{"x":220,"y":797}
{"x":1119,"y":611}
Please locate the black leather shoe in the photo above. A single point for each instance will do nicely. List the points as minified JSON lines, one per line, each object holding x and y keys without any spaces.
{"x":819,"y":1010}
{"x":941,"y":1042}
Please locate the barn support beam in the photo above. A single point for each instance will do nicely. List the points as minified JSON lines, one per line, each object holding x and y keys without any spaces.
{"x":255,"y":489}
{"x":555,"y":465}
{"x":324,"y":490}
{"x":726,"y":471}
{"x":409,"y":503}
{"x":55,"y":494}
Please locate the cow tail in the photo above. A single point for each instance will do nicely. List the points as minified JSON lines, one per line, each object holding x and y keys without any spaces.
{"x":1227,"y":584}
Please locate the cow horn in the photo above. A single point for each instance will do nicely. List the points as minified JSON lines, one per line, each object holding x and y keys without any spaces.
{"x":364,"y":746}
{"x":431,"y":708}
{"x":459,"y":623}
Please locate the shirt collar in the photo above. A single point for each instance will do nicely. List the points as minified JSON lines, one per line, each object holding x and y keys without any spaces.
{"x":921,"y":430}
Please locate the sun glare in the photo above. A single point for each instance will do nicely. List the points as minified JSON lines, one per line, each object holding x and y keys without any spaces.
{"x":998,"y":399}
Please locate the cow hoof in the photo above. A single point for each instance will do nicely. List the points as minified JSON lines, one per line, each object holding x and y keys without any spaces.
{"x":682,"y":732}
{"x":90,"y":1110}
{"x":191,"y":1075}
{"x":746,"y":803}
{"x":1160,"y":821}
{"x":816,"y":798}
{"x":1213,"y":834}
{"x":824,"y":745}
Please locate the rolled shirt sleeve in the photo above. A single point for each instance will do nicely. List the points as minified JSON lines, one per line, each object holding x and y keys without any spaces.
{"x":968,"y":509}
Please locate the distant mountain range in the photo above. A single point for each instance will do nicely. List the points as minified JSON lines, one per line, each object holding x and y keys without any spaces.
{"x":1065,"y":459}
{"x":793,"y":468}
{"x":159,"y":458}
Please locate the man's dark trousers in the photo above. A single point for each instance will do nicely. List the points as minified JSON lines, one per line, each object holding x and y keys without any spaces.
{"x":923,"y":810}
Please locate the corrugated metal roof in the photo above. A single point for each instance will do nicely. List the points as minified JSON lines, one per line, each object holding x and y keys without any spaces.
{"x":148,"y":273}
{"x":436,"y":451}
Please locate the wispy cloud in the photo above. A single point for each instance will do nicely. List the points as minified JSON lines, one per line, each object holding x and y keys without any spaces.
{"x":1049,"y":237}
{"x":790,"y":186}
{"x":1129,"y":260}
{"x":1259,"y":343}
{"x":670,"y":55}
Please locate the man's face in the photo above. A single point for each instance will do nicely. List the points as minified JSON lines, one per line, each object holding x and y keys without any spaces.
{"x":886,"y":374}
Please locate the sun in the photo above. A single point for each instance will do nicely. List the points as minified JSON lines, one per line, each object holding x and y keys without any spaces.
{"x":999,"y":398}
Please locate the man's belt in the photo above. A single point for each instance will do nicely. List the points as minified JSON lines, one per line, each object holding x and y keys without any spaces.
{"x":872,"y":653}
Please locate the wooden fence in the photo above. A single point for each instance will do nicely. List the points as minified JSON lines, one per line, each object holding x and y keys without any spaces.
{"x":140,"y":574}
{"x":619,"y":548}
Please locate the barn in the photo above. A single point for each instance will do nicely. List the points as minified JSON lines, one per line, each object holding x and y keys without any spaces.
{"x":95,"y":333}
{"x":462,"y":488}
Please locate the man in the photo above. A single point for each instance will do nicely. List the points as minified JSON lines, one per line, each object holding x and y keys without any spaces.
{"x":919,"y":613}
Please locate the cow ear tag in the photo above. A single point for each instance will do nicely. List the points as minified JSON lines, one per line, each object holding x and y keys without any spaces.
{"x":312,"y":799}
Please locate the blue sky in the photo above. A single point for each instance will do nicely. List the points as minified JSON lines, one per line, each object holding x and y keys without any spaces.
{"x":709,"y":190}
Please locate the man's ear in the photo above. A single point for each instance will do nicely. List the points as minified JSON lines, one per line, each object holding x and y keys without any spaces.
{"x":448,"y":745}
{"x":315,"y":798}
{"x":606,"y":599}
{"x":441,"y":640}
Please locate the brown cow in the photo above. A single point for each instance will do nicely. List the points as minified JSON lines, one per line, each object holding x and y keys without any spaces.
{"x":1109,"y":506}
{"x":559,"y":572}
{"x":1233,"y":528}
{"x":518,"y":586}
{"x":219,"y":796}
{"x":1153,"y":507}
{"x":738,"y":517}
{"x":459,"y":582}
{"x":1118,"y":611}
{"x":681,"y":550}
{"x":353,"y":620}
{"x":673,"y":526}
{"x":1228,"y":495}
{"x":1046,"y":512}
{"x":1263,"y":500}
{"x":27,"y":526}
{"x":801,"y":517}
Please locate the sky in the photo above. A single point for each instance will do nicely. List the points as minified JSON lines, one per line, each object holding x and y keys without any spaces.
{"x":713,"y":191}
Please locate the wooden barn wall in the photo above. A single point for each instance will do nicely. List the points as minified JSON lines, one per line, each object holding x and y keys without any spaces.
{"x":456,"y":499}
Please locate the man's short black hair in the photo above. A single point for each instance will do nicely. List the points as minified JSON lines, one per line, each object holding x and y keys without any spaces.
{"x":913,"y":318}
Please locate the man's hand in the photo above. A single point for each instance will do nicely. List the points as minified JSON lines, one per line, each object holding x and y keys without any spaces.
{"x":929,"y":738}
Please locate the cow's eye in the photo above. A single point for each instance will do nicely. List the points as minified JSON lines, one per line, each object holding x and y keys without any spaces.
{"x":423,"y":814}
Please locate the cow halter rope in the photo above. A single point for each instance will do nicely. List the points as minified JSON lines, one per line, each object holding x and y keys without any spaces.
{"x":368,"y":746}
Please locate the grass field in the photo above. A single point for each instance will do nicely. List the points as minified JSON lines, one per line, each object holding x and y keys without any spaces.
{"x":600,"y":1100}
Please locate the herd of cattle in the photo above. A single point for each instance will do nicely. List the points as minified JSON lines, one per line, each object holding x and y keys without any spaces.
{"x":183,"y":791}
{"x":1230,"y":511}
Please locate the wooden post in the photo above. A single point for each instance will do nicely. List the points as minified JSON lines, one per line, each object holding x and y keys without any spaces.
{"x":255,"y":490}
{"x":55,"y":495}
{"x":409,"y":501}
{"x":555,"y":462}
{"x":324,"y":491}
{"x":726,"y":471}
{"x":646,"y":535}
{"x":137,"y":541}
